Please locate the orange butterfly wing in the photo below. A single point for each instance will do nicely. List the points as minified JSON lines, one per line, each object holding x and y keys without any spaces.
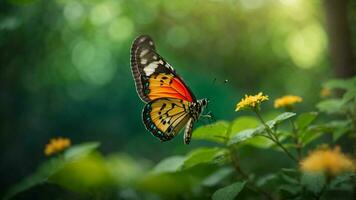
{"x":168,"y":98}
{"x":154,"y":77}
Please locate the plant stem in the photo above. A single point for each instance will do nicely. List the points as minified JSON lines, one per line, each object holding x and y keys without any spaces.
{"x":249,"y":184}
{"x":273,"y":136}
{"x":298,"y":145}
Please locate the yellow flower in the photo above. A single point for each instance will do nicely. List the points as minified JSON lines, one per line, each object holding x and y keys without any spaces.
{"x":56,"y":145}
{"x":287,"y":101}
{"x":325,"y":92}
{"x":330,"y":161}
{"x":251,"y":101}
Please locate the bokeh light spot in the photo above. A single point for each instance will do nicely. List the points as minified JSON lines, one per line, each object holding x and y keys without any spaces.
{"x":251,"y":4}
{"x":101,"y":14}
{"x":178,"y":36}
{"x":289,"y":2}
{"x":121,"y":29}
{"x":306,"y":46}
{"x":73,"y":11}
{"x":94,"y":64}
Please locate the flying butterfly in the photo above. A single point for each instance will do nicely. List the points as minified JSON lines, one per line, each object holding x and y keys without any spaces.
{"x":170,"y":104}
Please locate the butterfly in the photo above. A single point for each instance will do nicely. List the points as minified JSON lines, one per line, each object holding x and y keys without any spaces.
{"x":170,"y":104}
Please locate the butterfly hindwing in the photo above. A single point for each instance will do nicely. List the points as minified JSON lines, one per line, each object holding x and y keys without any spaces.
{"x":165,"y":117}
{"x":154,"y":77}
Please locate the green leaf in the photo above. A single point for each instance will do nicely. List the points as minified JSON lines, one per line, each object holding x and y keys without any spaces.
{"x":309,"y":135}
{"x":229,"y":192}
{"x":41,"y":176}
{"x":205,"y":156}
{"x":291,"y":189}
{"x":124,"y":169}
{"x":217,"y":176}
{"x":338,"y":133}
{"x":245,"y":135}
{"x":170,"y":164}
{"x":343,"y":179}
{"x":216,"y":132}
{"x":331,"y":106}
{"x":341,"y":84}
{"x":260,"y":142}
{"x":314,"y":182}
{"x":80,"y":150}
{"x":242,"y":123}
{"x":266,"y":179}
{"x":305,"y":119}
{"x":84,"y":174}
{"x":280,"y":118}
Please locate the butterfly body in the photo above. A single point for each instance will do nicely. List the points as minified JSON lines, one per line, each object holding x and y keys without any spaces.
{"x":170,"y":104}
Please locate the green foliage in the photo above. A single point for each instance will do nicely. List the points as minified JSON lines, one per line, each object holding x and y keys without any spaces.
{"x":314,"y":182}
{"x":305,"y":119}
{"x":229,"y":192}
{"x":205,"y":156}
{"x":345,"y":104}
{"x":49,"y":170}
{"x":216,"y":132}
{"x":216,"y":171}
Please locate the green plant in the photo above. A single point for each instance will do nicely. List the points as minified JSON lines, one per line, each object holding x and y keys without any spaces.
{"x":248,"y":157}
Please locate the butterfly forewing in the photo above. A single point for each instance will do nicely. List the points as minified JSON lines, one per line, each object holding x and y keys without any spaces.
{"x":154,"y":77}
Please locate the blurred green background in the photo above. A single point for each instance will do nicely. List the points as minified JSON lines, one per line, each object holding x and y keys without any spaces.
{"x":65,"y":66}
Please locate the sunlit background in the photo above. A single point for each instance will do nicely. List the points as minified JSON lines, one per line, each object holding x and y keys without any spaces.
{"x":65,"y":67}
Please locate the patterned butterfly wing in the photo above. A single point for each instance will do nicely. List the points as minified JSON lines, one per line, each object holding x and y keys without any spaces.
{"x":154,"y":77}
{"x":165,"y":117}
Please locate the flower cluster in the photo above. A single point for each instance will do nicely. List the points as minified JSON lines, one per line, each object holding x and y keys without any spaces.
{"x":251,"y":101}
{"x":330,"y":161}
{"x":287,"y":101}
{"x":56,"y":145}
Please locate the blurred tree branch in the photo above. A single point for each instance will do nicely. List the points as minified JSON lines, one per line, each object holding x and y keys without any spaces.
{"x":340,"y":41}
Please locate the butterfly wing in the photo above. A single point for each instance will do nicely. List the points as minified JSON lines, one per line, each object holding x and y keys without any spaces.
{"x":165,"y":117}
{"x":154,"y":77}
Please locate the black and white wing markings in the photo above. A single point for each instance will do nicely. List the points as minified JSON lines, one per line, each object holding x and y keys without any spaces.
{"x":145,"y":62}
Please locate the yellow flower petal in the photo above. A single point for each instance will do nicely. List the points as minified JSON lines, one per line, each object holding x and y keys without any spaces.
{"x":56,"y":145}
{"x":286,"y":101}
{"x":251,"y":101}
{"x":331,"y":161}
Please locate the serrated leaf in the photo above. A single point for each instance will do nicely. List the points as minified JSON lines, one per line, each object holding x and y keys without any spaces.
{"x":205,"y":156}
{"x":314,"y":182}
{"x":305,"y":119}
{"x":216,"y":132}
{"x":217,"y":176}
{"x":170,"y":164}
{"x":229,"y":192}
{"x":80,"y":150}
